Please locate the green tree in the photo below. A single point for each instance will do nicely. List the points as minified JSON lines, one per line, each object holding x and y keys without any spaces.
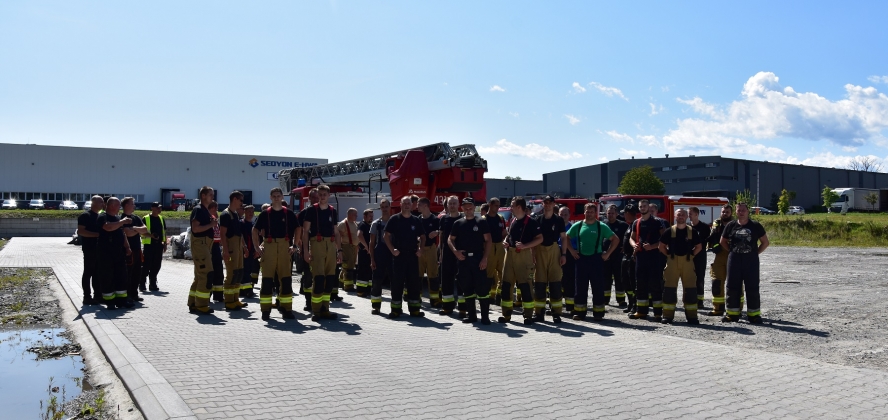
{"x":783,"y":202}
{"x":745,"y":196}
{"x":872,"y":198}
{"x":791,"y":195}
{"x":775,"y":198}
{"x":641,"y":180}
{"x":829,"y":197}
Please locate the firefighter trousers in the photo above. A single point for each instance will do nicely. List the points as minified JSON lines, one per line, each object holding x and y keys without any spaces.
{"x":381,"y":275}
{"x":569,"y":282}
{"x":112,"y":275}
{"x":349,"y":266}
{"x":448,"y":279}
{"x":323,"y":271}
{"x":680,"y":267}
{"x":133,"y":272}
{"x":428,"y":266}
{"x":613,"y":277}
{"x":718,"y":271}
{"x":276,"y":265}
{"x":405,"y":275}
{"x":496,"y":258}
{"x":743,"y":273}
{"x":590,"y":272}
{"x":517,"y":272}
{"x":218,"y":272}
{"x":153,"y":254}
{"x":649,"y":281}
{"x":88,"y":278}
{"x":199,"y":296}
{"x":700,"y":273}
{"x":627,"y":267}
{"x":547,"y":276}
{"x":234,"y":267}
{"x":475,"y":284}
{"x":364,"y":274}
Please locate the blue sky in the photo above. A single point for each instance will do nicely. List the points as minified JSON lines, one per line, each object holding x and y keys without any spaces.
{"x":537,"y":86}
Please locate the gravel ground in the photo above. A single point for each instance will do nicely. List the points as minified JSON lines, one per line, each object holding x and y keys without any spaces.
{"x":817,"y":303}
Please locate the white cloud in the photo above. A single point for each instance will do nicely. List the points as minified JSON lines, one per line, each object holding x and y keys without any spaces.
{"x":655,"y":109}
{"x":829,"y":160}
{"x":497,"y":88}
{"x":603,"y":159}
{"x":664,"y":88}
{"x":849,"y":149}
{"x":616,"y":135}
{"x":572,"y":120}
{"x":767,"y":111}
{"x":649,"y":140}
{"x":578,"y":88}
{"x":608,"y":90}
{"x":531,"y":150}
{"x":628,"y":152}
{"x":878,"y":79}
{"x":514,"y":114}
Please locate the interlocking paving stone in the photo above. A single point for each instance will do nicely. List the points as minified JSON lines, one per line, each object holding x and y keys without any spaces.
{"x":233,"y":365}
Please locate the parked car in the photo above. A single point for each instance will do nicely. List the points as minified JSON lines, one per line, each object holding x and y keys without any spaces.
{"x":87,"y":205}
{"x":68,"y":205}
{"x":9,"y":205}
{"x":761,"y":210}
{"x":36,"y":204}
{"x":796,"y":210}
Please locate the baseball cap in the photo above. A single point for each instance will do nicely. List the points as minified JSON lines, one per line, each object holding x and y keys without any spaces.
{"x":468,"y":200}
{"x":155,"y":205}
{"x":549,"y":198}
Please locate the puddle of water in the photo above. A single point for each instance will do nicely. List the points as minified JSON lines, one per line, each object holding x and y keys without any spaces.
{"x":25,"y":379}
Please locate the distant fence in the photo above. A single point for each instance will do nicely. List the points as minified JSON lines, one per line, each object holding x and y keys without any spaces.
{"x":11,"y":228}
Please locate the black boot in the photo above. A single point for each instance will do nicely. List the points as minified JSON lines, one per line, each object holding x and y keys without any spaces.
{"x":485,"y":310}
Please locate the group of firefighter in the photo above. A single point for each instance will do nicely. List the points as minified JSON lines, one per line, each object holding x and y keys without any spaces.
{"x":462,"y":256}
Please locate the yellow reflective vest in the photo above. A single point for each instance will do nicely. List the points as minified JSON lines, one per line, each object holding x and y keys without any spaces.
{"x":146,"y":240}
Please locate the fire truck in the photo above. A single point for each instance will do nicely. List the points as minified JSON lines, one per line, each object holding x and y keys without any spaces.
{"x":710,"y":207}
{"x":435,"y":171}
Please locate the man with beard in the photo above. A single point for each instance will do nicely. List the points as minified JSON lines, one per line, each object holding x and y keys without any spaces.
{"x":645,"y":240}
{"x":613,"y":272}
{"x":380,"y":257}
{"x":403,"y":236}
{"x":449,"y":262}
{"x":469,"y":241}
{"x":202,"y":225}
{"x":89,"y":230}
{"x":113,"y":250}
{"x":428,"y":264}
{"x":746,"y":239}
{"x":133,"y":238}
{"x":363,"y":277}
{"x":680,"y":244}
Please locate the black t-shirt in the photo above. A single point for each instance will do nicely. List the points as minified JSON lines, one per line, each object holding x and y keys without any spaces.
{"x":378,"y":228}
{"x":113,"y":240}
{"x":518,"y":228}
{"x":446,"y":224}
{"x":247,"y":233}
{"x":135,"y":241}
{"x":404,"y":231}
{"x":202,"y":215}
{"x":429,"y":225}
{"x":701,"y":228}
{"x":364,"y":231}
{"x":551,"y":228}
{"x":619,"y":228}
{"x":743,"y":239}
{"x":88,"y":221}
{"x":680,"y":245}
{"x":470,"y":235}
{"x":646,"y":231}
{"x":276,"y":223}
{"x":627,"y":247}
{"x":496,"y":225}
{"x":231,"y":223}
{"x":323,"y":220}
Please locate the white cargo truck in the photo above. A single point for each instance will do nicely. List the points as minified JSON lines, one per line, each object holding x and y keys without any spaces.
{"x":854,"y":199}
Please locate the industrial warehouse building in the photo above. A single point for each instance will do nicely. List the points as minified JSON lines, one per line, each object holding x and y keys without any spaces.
{"x":75,"y":173}
{"x":714,"y":176}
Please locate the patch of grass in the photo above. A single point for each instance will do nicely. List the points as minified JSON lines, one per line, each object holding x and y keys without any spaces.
{"x":827,"y":230}
{"x":17,"y":319}
{"x":17,"y":277}
{"x":18,"y":306}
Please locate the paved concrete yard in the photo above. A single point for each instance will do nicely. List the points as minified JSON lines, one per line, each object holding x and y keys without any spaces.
{"x":232,"y":365}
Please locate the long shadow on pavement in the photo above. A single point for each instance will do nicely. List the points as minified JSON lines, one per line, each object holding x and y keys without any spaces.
{"x":210,"y":319}
{"x":726,"y":327}
{"x":497,"y":328}
{"x":769,"y":323}
{"x":292,"y":326}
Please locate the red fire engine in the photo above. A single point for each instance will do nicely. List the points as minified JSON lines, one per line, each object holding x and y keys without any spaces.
{"x":435,"y":171}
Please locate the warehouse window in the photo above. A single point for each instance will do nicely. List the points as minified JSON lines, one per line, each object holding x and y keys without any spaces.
{"x":682,"y":167}
{"x":711,"y":178}
{"x":712,"y":165}
{"x":667,"y":181}
{"x":667,"y":168}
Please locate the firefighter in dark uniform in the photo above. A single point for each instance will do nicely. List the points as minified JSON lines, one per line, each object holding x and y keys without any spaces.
{"x":403,"y":236}
{"x":89,"y":230}
{"x":277,"y":225}
{"x":302,"y":267}
{"x":568,"y":270}
{"x":496,"y":256}
{"x":524,"y":234}
{"x":703,"y":230}
{"x":680,"y":244}
{"x":630,"y":213}
{"x":233,"y":249}
{"x":448,"y":260}
{"x":380,"y":257}
{"x":322,"y":251}
{"x":247,"y":280}
{"x":113,"y":250}
{"x":745,"y":239}
{"x":363,"y":277}
{"x":428,"y":264}
{"x":469,"y":241}
{"x":645,"y":239}
{"x":155,"y":245}
{"x":201,"y":244}
{"x":216,"y":256}
{"x":549,"y":258}
{"x":133,"y":233}
{"x":613,"y":267}
{"x":719,"y":268}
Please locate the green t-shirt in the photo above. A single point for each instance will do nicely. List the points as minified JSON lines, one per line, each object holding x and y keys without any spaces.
{"x":587,"y":236}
